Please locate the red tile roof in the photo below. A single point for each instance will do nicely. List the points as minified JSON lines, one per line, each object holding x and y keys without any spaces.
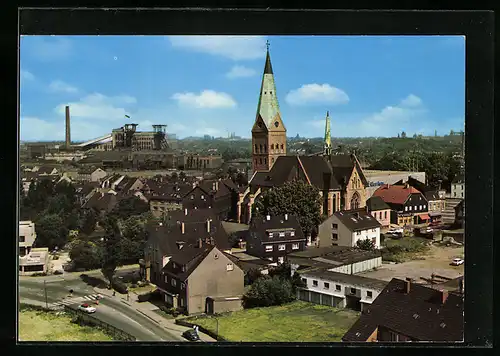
{"x":396,"y":194}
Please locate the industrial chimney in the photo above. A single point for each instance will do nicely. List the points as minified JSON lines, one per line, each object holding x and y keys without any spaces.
{"x":68,"y":128}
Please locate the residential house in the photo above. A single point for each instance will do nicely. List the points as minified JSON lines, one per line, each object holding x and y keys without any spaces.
{"x":111,"y":181}
{"x":90,"y":174}
{"x":27,"y":236}
{"x":179,"y":228}
{"x":341,"y":259}
{"x":436,"y":198}
{"x":379,"y":210}
{"x":102,"y":202}
{"x":407,"y":312}
{"x":274,"y":237}
{"x":221,"y":195}
{"x":458,"y":187}
{"x":85,"y":191}
{"x":339,"y":177}
{"x":339,"y":290}
{"x":168,"y":198}
{"x":346,"y":228}
{"x":46,"y":171}
{"x":202,"y":279}
{"x":408,"y":205}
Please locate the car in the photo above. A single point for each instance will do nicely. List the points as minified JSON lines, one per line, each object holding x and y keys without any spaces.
{"x":191,"y":335}
{"x":457,"y":262}
{"x":87,"y":308}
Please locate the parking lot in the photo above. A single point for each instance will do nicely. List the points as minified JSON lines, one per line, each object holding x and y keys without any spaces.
{"x":437,"y":261}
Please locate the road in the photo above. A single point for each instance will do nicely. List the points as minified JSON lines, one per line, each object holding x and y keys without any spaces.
{"x":110,"y":311}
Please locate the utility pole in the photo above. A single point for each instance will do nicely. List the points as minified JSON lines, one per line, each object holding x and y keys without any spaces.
{"x":45,"y":289}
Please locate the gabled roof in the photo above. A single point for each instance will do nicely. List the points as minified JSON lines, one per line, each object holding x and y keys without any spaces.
{"x":356,"y":220}
{"x":376,"y":203}
{"x":261,"y":226}
{"x":395,"y":194}
{"x":419,"y":314}
{"x":189,"y":256}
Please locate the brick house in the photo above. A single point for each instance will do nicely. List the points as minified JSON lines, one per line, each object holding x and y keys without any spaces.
{"x":202,"y":279}
{"x":274,"y":237}
{"x":406,"y":312}
{"x":379,"y":210}
{"x":408,"y":205}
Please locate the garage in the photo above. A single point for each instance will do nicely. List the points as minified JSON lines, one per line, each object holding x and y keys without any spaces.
{"x":315,"y":297}
{"x":304,"y":295}
{"x":326,"y":300}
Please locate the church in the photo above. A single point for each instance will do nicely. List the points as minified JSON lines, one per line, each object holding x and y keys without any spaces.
{"x":339,"y":177}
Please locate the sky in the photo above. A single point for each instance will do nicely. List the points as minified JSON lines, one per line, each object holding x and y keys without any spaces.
{"x":209,"y":85}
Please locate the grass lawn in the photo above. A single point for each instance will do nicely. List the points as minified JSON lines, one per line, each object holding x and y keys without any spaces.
{"x":295,"y":322}
{"x":35,"y":325}
{"x":142,"y":290}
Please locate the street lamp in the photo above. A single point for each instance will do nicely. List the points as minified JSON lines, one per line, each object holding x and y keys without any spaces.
{"x":45,"y":290}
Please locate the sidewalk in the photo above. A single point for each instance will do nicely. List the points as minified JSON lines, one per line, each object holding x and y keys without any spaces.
{"x":146,"y":309}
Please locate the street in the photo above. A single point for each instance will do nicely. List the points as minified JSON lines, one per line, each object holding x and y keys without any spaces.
{"x":110,"y":311}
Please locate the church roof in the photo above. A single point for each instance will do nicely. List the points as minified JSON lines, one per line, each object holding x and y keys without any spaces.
{"x":268,"y":69}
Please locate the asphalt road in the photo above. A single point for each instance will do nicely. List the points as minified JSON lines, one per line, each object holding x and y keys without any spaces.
{"x":111,"y":311}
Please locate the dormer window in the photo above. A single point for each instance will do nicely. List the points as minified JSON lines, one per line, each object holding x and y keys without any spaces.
{"x":282,"y":234}
{"x":183,"y":268}
{"x":270,"y":235}
{"x":292,"y":233}
{"x":192,"y":197}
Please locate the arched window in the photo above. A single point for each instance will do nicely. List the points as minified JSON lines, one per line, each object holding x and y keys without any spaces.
{"x":265,"y":148}
{"x":282,"y":147}
{"x":265,"y":160}
{"x":272,"y":146}
{"x":355,"y":201}
{"x":261,"y":150}
{"x":256,"y":148}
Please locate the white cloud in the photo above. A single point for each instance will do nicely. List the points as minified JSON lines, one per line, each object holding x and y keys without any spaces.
{"x":25,"y":75}
{"x":316,"y":94}
{"x":240,"y":72}
{"x":60,"y":86}
{"x":233,"y":47}
{"x":99,"y":106}
{"x":46,"y":48}
{"x":411,"y":101}
{"x":208,"y":99}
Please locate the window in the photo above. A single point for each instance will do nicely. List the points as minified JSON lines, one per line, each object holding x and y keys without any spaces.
{"x":335,"y":237}
{"x":369,"y":294}
{"x":192,"y":197}
{"x":181,"y":302}
{"x":272,"y":146}
{"x":202,"y":197}
{"x":374,"y":230}
{"x":270,"y":235}
{"x":183,"y":268}
{"x":281,"y":260}
{"x":410,"y":207}
{"x":174,"y":282}
{"x":406,"y":208}
{"x":292,"y":233}
{"x":415,"y":208}
{"x":183,"y":285}
{"x":216,"y":256}
{"x":326,"y":285}
{"x":174,"y":265}
{"x":256,"y":148}
{"x":229,"y":267}
{"x":22,"y":238}
{"x":265,"y":160}
{"x":269,"y":248}
{"x":295,"y":246}
{"x":305,"y":281}
{"x":420,"y":207}
{"x":260,"y":160}
{"x":462,"y":194}
{"x":282,"y":147}
{"x":271,"y":92}
{"x":335,"y":226}
{"x":358,"y":232}
{"x":315,"y":283}
{"x":385,"y":214}
{"x":337,"y":287}
{"x":281,"y":247}
{"x":282,"y":234}
{"x":425,"y":206}
{"x":166,"y":279}
{"x":353,"y":290}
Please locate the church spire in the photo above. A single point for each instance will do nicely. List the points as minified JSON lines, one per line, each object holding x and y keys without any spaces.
{"x":328,"y":136}
{"x":268,"y":69}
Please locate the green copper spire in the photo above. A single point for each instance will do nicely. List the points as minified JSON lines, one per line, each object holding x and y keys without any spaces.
{"x":328,"y":135}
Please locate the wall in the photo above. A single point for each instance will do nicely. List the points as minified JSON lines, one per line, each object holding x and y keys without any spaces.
{"x":211,"y":279}
{"x":359,"y":267}
{"x":223,"y":306}
{"x":458,"y":190}
{"x":382,"y":216}
{"x":27,"y":229}
{"x":366,"y":234}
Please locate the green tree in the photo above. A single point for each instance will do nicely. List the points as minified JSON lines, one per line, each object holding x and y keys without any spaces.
{"x":88,"y":221}
{"x":86,"y":254}
{"x":403,"y":134}
{"x":297,"y":198}
{"x":366,"y":244}
{"x":128,"y":207}
{"x":268,"y":291}
{"x":133,"y":240}
{"x":51,"y":232}
{"x":252,"y":275}
{"x":112,"y":247}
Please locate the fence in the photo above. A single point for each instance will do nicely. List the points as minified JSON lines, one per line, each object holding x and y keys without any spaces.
{"x":85,"y":318}
{"x":201,"y":328}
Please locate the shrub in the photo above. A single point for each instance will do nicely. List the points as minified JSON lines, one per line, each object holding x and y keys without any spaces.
{"x":39,"y":274}
{"x":119,"y":286}
{"x":267,"y":291}
{"x":144,"y":297}
{"x":58,"y":272}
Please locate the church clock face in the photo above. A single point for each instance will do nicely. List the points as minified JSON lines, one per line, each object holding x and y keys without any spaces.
{"x":276,"y":123}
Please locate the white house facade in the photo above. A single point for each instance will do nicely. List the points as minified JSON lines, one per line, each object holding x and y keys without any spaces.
{"x":350,"y":226}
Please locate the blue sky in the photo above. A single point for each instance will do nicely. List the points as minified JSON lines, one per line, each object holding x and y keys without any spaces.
{"x":197,"y":85}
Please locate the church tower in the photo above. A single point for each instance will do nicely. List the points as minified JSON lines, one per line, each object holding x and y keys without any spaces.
{"x":327,"y":146}
{"x":268,"y":132}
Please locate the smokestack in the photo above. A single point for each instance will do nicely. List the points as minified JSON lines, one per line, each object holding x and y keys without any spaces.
{"x":444,"y":296}
{"x":182,"y":228}
{"x":68,"y":128}
{"x":208,"y":225}
{"x":407,"y":285}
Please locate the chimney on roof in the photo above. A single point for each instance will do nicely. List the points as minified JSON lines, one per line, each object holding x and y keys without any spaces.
{"x":182,"y":228}
{"x":444,"y":295}
{"x":185,"y":211}
{"x":200,"y":243}
{"x":407,"y":285}
{"x":286,"y":217}
{"x":268,"y":217}
{"x":208,"y":225}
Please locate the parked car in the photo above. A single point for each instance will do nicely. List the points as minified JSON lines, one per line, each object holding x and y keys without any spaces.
{"x":87,"y":308}
{"x":457,"y":262}
{"x":191,"y":335}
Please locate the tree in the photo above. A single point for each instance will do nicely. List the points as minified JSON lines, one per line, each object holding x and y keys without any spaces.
{"x":51,"y":232}
{"x":88,"y":221}
{"x":252,"y":275}
{"x":399,"y":136}
{"x":366,"y":244}
{"x":86,"y":254}
{"x":133,"y":240}
{"x":241,"y":179}
{"x":415,"y":135}
{"x":112,"y":245}
{"x":296,"y":198}
{"x":129,"y":206}
{"x":403,"y":134}
{"x":267,"y":291}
